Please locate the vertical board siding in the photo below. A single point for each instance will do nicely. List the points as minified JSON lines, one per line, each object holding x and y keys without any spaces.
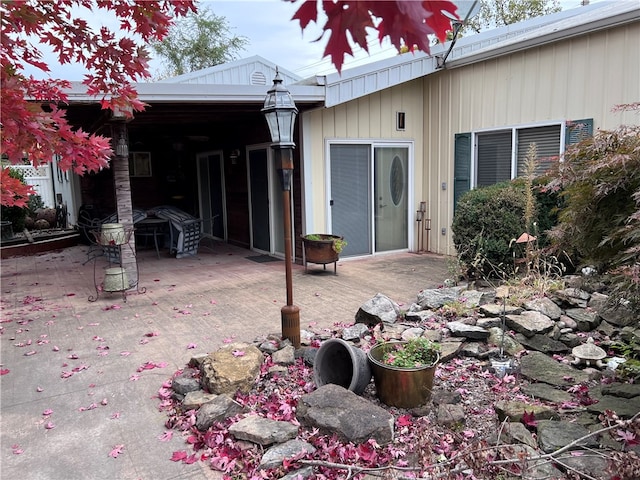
{"x":549,"y":83}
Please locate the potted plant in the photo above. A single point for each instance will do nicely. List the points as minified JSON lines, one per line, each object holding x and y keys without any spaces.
{"x":403,"y":371}
{"x":322,"y":248}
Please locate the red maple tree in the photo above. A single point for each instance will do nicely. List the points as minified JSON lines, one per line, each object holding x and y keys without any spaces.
{"x":407,"y":23}
{"x":32,"y":116}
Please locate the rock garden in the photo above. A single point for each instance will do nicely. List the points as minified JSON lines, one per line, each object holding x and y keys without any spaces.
{"x":514,"y":395}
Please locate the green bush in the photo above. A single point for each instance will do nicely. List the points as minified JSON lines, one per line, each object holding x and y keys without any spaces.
{"x":486,"y":220}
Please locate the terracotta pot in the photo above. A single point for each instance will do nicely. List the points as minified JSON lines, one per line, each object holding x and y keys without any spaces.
{"x":400,"y":387}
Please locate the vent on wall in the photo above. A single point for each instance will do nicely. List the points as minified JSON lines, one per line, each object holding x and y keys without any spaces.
{"x":258,"y":78}
{"x":400,"y":121}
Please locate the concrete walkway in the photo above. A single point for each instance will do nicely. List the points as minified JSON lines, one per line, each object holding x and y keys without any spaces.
{"x":73,"y":386}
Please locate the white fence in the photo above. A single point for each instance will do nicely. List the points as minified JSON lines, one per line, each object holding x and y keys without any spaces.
{"x":40,"y":179}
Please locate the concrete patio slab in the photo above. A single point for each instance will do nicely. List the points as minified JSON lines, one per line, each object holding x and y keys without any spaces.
{"x":80,"y":360}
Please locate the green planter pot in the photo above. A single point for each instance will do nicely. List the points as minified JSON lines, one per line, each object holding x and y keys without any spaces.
{"x":400,"y":387}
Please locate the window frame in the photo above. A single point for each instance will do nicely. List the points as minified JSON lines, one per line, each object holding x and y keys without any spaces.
{"x":514,"y":144}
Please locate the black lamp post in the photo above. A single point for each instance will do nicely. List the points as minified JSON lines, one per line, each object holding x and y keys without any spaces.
{"x":280,"y":112}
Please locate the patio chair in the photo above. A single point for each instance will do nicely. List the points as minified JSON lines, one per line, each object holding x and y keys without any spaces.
{"x":184,"y":232}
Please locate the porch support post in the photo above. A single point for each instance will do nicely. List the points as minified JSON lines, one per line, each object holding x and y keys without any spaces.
{"x":122,"y":186}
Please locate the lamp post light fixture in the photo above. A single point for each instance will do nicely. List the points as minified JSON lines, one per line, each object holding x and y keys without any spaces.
{"x":280,"y":112}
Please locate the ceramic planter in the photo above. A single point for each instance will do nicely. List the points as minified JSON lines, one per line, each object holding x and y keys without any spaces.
{"x":341,"y":363}
{"x":400,"y":387}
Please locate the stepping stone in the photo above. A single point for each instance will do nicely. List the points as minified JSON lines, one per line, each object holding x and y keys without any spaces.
{"x":541,"y":368}
{"x":544,"y":391}
{"x":553,"y":435}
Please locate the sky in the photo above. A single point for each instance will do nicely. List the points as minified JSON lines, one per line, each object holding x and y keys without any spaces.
{"x":272,"y":35}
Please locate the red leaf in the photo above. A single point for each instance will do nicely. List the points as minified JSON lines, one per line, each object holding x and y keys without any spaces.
{"x":529,"y":419}
{"x":4,"y":371}
{"x":178,"y":456}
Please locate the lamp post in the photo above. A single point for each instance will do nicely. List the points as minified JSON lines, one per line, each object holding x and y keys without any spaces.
{"x":280,"y":112}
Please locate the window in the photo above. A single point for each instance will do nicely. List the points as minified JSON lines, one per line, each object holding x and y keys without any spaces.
{"x":500,"y":154}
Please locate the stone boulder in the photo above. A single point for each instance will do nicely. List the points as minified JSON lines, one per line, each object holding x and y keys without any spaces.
{"x":232,"y":368}
{"x":378,"y":309}
{"x":263,"y":431}
{"x":334,"y":409}
{"x":216,"y":410}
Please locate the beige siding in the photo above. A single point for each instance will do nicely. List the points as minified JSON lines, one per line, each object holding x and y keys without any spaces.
{"x":583,"y":77}
{"x":579,"y":78}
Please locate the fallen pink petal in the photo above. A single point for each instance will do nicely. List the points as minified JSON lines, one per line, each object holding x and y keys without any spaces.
{"x":117,"y":450}
{"x":191,"y":346}
{"x":49,"y":425}
{"x":47,"y":412}
{"x":4,"y":371}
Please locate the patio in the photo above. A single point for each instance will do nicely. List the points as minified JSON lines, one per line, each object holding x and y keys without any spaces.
{"x":74,"y":386}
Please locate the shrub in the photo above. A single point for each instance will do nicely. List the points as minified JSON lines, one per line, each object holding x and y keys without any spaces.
{"x":485,"y":221}
{"x":599,"y":222}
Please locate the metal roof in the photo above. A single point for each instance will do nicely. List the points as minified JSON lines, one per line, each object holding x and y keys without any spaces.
{"x":244,"y":81}
{"x":373,"y":77}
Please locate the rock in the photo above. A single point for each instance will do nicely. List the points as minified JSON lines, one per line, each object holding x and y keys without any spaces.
{"x":278,"y":371}
{"x":308,"y":354}
{"x":449,"y":349}
{"x":379,"y":309}
{"x":185,"y":382}
{"x":585,"y":320}
{"x":284,"y":356}
{"x":217,"y":410}
{"x":539,"y":367}
{"x":529,"y":323}
{"x":474,"y":298}
{"x":510,"y":345}
{"x":516,"y":432}
{"x":620,"y":316}
{"x":451,"y":415}
{"x":460,"y":329}
{"x":287,"y":450}
{"x":436,"y":298}
{"x":354,"y":332}
{"x":572,"y":296}
{"x":553,"y":435}
{"x":544,"y":305}
{"x":420,"y":316}
{"x":474,"y":350}
{"x":544,"y":391}
{"x":496,"y":310}
{"x":194,"y":400}
{"x":488,"y":323}
{"x":231,"y":368}
{"x":439,"y":397}
{"x":595,"y":463}
{"x":624,"y":407}
{"x":624,"y":390}
{"x":598,"y":301}
{"x":541,"y":343}
{"x":196,"y":360}
{"x":306,"y":473}
{"x":535,"y":469}
{"x":433,"y":335}
{"x":410,"y":333}
{"x":570,"y":339}
{"x":569,"y":322}
{"x":263,"y":431}
{"x":337,"y":410}
{"x":514,"y":410}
